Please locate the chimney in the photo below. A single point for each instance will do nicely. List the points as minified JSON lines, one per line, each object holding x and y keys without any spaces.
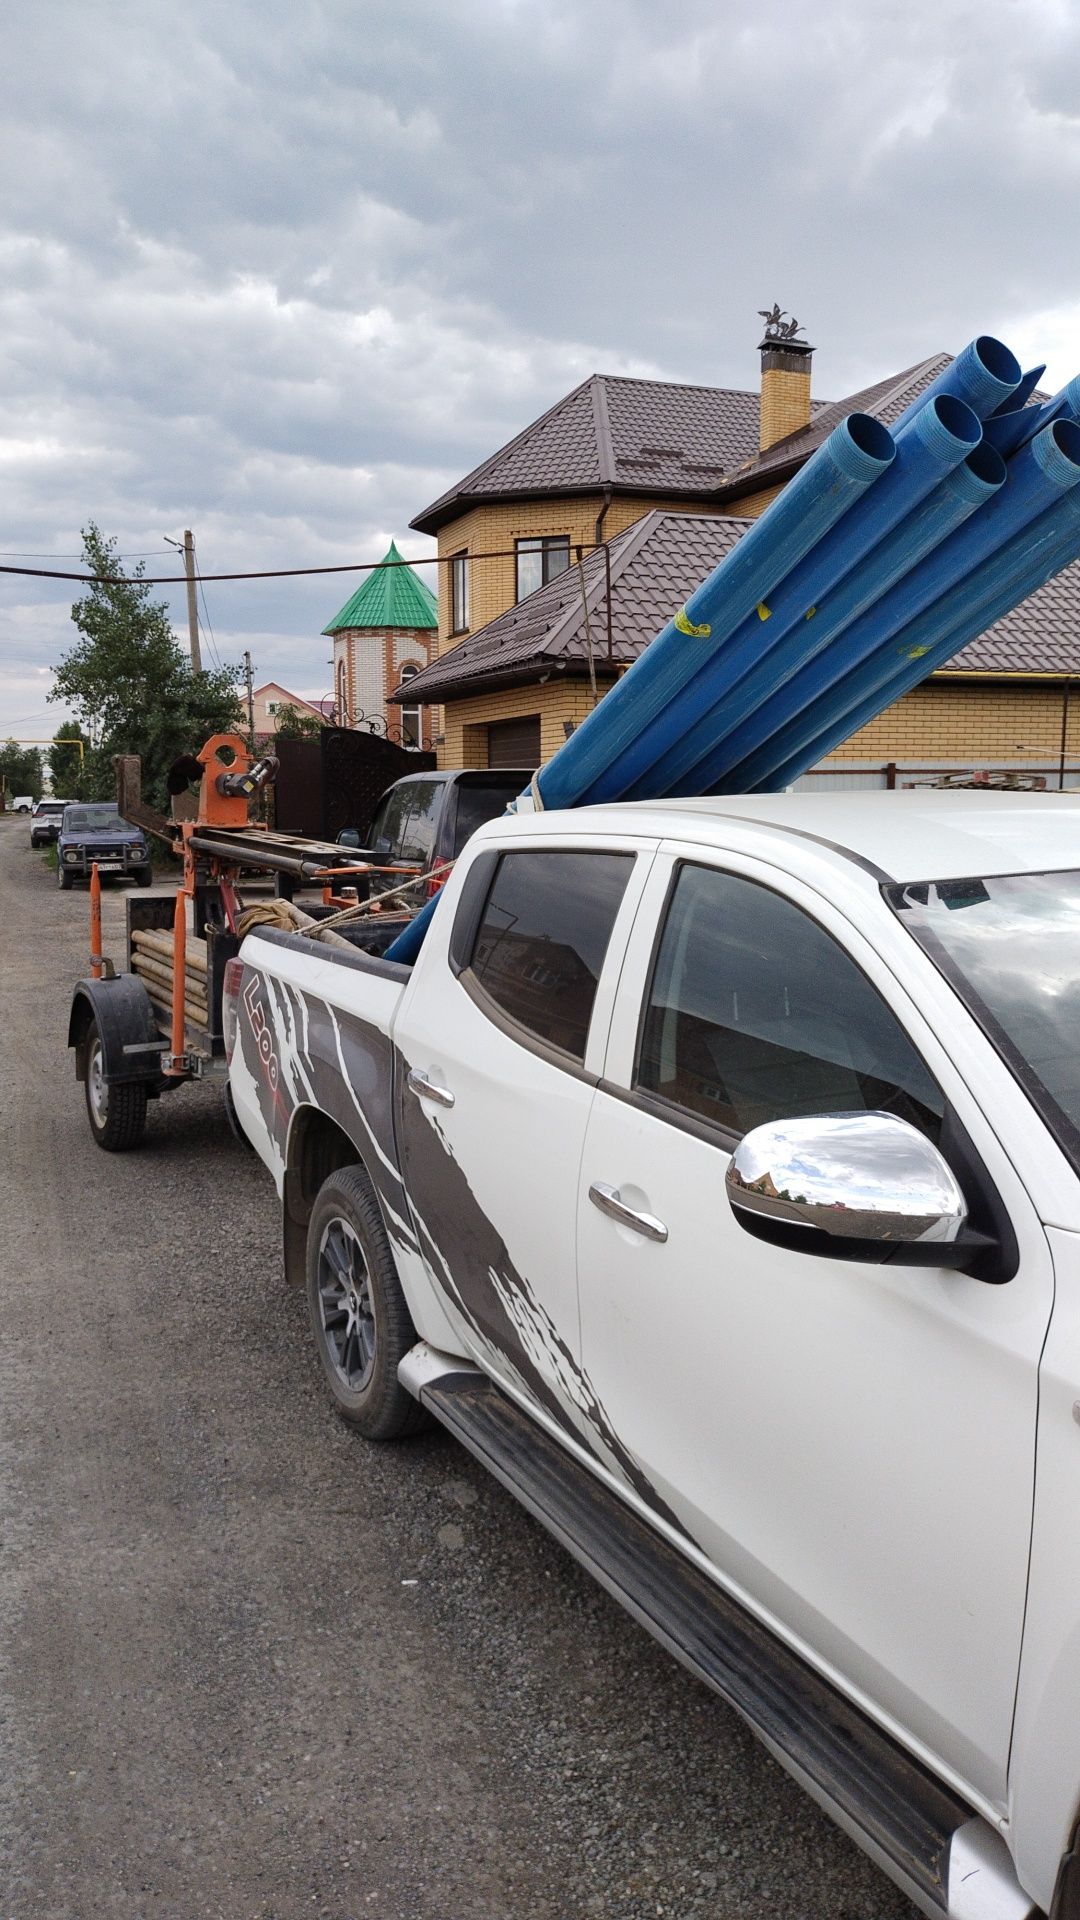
{"x":785,"y":378}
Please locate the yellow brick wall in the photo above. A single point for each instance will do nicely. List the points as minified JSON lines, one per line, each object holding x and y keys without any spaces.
{"x":494,"y":529}
{"x":969,"y":722}
{"x":753,"y":504}
{"x":785,"y":403}
{"x":466,"y":721}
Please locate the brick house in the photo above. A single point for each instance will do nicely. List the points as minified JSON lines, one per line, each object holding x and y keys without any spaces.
{"x":267,"y":700}
{"x":383,"y":637}
{"x":620,"y":461}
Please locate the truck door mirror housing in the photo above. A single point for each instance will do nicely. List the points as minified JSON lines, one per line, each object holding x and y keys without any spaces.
{"x":852,"y":1186}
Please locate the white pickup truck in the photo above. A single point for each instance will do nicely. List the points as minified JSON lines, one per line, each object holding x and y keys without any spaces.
{"x":714,"y":1175}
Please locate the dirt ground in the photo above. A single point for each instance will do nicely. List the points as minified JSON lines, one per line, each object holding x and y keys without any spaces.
{"x":252,"y":1667}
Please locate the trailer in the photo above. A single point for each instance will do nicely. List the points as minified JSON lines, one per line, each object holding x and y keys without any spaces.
{"x":159,"y":1022}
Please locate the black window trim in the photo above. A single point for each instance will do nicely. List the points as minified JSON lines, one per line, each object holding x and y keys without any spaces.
{"x":538,"y":543}
{"x":711,"y":1131}
{"x":461,"y":554}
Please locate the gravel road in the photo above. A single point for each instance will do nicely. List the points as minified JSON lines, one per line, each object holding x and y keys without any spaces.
{"x":254,"y":1668}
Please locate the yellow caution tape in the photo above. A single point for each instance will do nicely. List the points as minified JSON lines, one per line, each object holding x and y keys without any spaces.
{"x":687,"y":626}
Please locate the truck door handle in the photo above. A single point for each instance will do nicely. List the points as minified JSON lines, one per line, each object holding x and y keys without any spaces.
{"x":607,"y":1199}
{"x":426,"y":1089}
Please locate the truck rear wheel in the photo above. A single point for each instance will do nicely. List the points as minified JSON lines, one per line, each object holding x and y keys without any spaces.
{"x":117,"y":1113}
{"x":361,"y":1323}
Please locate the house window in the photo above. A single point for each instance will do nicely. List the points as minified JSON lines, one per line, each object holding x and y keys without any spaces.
{"x":459,"y":593}
{"x":412,"y":729}
{"x":539,"y":560}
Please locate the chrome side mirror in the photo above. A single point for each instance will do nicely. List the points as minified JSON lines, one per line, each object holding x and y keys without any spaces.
{"x":853,"y":1185}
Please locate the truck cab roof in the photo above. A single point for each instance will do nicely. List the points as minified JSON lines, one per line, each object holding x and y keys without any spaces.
{"x":925,"y":833}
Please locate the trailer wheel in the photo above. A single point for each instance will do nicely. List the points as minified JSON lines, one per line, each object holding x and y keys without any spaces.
{"x":361,"y":1323}
{"x":117,"y":1113}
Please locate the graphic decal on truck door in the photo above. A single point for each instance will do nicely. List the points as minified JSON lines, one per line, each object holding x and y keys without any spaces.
{"x":300,"y":1051}
{"x":467,"y":1256}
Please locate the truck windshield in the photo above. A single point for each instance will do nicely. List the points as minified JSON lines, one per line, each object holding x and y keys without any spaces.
{"x":1010,"y":946}
{"x":90,"y":819}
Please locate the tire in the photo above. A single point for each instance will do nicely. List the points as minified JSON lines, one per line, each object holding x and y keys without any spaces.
{"x":117,"y":1114}
{"x":63,"y":878}
{"x":361,"y":1323}
{"x":144,"y":876}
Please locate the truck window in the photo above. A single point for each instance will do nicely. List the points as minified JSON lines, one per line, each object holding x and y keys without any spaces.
{"x":478,"y":804}
{"x":542,"y":939}
{"x":389,"y":822}
{"x":755,"y":1013}
{"x":418,"y":834}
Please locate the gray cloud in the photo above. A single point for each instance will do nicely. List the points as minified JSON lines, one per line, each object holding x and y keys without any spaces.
{"x":283,"y":273}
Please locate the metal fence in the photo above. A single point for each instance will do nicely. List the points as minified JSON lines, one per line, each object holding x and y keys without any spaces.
{"x":855,"y":776}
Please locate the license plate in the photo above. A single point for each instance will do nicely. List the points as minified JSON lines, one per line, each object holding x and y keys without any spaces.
{"x":110,"y":866}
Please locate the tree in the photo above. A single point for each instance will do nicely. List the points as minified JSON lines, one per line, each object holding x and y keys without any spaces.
{"x":66,"y":762}
{"x":294,"y":725}
{"x":20,"y":770}
{"x":128,"y":680}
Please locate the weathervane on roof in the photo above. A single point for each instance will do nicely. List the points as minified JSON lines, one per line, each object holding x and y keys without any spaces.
{"x":778,"y":325}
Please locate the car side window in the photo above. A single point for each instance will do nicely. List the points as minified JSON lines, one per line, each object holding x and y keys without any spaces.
{"x":418,"y":837}
{"x":542,"y":937}
{"x":389,"y":822}
{"x":755,"y":1013}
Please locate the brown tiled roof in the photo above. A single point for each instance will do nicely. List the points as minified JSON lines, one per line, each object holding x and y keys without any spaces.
{"x":650,"y":436}
{"x":1040,"y":636}
{"x":886,"y":400}
{"x":651,"y":565}
{"x":655,"y":565}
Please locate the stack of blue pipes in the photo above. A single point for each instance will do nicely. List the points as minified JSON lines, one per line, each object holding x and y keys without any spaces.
{"x":888,"y":552}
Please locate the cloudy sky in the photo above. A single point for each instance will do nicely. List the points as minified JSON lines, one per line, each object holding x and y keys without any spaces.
{"x":281,"y":273}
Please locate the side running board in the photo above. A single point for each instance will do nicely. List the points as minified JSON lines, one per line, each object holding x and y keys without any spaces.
{"x":947,"y":1860}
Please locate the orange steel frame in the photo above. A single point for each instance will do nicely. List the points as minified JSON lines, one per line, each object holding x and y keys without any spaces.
{"x":216,"y":809}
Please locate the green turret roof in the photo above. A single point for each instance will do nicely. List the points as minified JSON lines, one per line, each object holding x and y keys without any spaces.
{"x":391,"y":596}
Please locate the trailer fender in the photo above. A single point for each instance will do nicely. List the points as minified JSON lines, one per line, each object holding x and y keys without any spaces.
{"x":124,"y":1014}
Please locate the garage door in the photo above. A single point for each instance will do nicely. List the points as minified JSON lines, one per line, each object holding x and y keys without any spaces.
{"x":514,"y":743}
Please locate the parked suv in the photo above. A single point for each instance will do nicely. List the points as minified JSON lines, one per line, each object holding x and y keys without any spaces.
{"x":45,"y":821}
{"x":425,"y":819}
{"x":95,"y":831}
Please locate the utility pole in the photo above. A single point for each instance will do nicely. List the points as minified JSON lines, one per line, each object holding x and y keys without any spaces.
{"x":250,"y":679}
{"x":192,"y":603}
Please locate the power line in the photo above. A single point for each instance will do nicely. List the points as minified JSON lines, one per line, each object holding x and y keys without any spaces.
{"x":147,"y":553}
{"x":206,"y":612}
{"x":276,"y":573}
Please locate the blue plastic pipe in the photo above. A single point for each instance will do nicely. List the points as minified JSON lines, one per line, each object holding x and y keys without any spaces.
{"x":1021,"y":394}
{"x":984,"y":376}
{"x":1035,"y":561}
{"x":746,"y":667}
{"x":409,"y":942}
{"x":782,"y":691}
{"x":873,"y":545}
{"x":972,"y":563}
{"x":855,"y":455}
{"x":1011,"y":431}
